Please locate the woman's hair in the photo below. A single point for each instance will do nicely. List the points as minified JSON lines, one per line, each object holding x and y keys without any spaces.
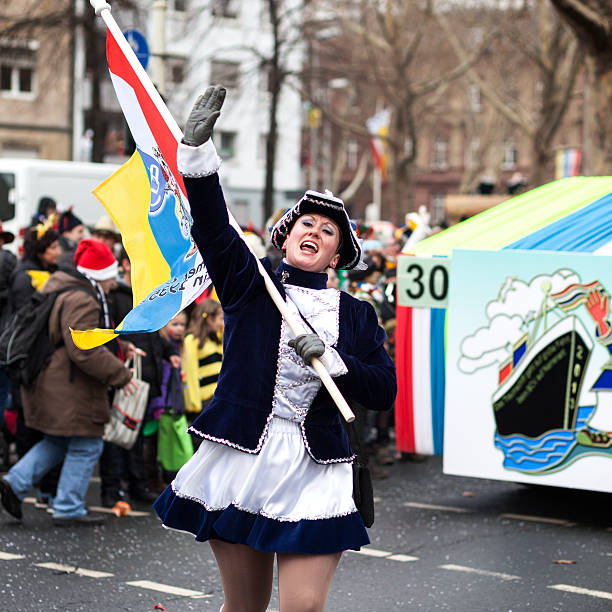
{"x":45,"y":204}
{"x":33,"y":246}
{"x":198,"y":322}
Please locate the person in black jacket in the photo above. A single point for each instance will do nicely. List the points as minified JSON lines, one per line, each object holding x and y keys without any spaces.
{"x":8,"y":262}
{"x":41,"y":252}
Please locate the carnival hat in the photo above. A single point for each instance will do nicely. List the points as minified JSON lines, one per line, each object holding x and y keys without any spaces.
{"x":95,"y":260}
{"x":105,"y":227}
{"x":328,"y":205}
{"x":68,"y":221}
{"x":360,"y":274}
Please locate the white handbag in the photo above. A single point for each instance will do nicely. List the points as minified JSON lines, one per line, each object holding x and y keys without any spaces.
{"x":127,"y":411}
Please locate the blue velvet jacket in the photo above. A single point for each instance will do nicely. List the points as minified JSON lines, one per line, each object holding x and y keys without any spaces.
{"x":242,"y":404}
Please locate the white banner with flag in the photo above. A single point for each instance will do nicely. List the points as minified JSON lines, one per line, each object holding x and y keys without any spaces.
{"x":378,"y":127}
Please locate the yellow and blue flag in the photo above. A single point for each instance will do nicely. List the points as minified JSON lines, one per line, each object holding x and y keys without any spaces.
{"x":146,"y":199}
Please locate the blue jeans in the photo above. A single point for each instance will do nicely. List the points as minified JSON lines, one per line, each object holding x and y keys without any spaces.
{"x":79,"y":454}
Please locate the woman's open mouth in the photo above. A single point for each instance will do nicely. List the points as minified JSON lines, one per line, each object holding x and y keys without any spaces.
{"x":309,"y":247}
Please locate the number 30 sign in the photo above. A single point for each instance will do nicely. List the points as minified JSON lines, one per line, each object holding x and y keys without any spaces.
{"x":423,"y":281}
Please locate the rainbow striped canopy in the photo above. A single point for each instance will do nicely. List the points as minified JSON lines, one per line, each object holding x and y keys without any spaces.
{"x":571,"y":214}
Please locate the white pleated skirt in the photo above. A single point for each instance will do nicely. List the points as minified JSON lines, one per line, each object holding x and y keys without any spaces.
{"x":279,"y":499}
{"x":280,"y":482}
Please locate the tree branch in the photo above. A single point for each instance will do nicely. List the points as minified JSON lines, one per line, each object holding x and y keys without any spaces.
{"x":511,"y":114}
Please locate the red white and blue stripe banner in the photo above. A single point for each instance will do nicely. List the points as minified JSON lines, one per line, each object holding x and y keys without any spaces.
{"x":419,"y":355}
{"x":567,"y":163}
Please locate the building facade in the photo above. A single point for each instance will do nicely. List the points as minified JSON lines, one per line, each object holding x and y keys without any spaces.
{"x":230,"y":43}
{"x":450,"y":138}
{"x":57,"y":101}
{"x":36,"y":62}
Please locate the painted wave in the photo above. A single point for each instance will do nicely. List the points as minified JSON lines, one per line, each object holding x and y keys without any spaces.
{"x":531,"y":455}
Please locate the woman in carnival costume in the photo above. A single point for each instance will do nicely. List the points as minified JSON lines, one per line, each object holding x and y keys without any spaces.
{"x":273,"y":474}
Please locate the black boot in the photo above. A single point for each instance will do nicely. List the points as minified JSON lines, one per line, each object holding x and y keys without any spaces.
{"x":142,"y":494}
{"x":108,"y":500}
{"x":10,"y":501}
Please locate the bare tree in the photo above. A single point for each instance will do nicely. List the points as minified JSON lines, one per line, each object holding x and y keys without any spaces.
{"x":591,"y":21}
{"x":481,"y":131}
{"x":277,"y":73}
{"x":539,"y":41}
{"x":396,"y":57}
{"x":281,"y":21}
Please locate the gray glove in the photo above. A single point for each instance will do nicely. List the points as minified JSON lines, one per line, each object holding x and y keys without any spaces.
{"x":308,"y":346}
{"x":204,"y":113}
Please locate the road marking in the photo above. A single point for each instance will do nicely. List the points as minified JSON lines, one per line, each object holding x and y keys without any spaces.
{"x":538,"y":519}
{"x":371,"y":552}
{"x":473,"y":570}
{"x":383,"y":554}
{"x":166,"y":588}
{"x":32,"y":500}
{"x":434,"y":507}
{"x":71,"y":569}
{"x":4,"y":556}
{"x":145,"y":584}
{"x":580,"y":591}
{"x":402,"y":558}
{"x":110,"y":511}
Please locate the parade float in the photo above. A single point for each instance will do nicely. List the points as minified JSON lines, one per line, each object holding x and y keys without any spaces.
{"x":504,"y":340}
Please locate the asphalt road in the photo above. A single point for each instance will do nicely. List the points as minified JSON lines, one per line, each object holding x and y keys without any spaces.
{"x":439,"y":543}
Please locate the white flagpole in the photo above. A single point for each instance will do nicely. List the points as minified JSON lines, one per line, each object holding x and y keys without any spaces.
{"x":377,"y":191}
{"x":103,"y":10}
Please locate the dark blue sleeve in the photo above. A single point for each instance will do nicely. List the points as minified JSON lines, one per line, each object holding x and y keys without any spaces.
{"x":371,"y":378}
{"x":230,"y":264}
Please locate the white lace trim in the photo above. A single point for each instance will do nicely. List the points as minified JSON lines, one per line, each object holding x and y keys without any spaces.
{"x":197,"y":162}
{"x":195,"y":499}
{"x":322,"y":461}
{"x":252,"y":451}
{"x":261,"y":512}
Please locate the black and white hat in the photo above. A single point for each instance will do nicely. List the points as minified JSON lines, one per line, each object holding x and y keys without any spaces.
{"x":330,"y":206}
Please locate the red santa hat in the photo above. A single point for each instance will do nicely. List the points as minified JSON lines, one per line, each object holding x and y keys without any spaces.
{"x":95,"y":260}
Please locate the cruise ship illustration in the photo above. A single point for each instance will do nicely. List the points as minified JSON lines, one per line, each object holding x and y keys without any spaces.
{"x":540,"y":424}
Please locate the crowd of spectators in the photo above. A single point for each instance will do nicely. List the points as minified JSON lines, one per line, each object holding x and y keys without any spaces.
{"x":52,"y":253}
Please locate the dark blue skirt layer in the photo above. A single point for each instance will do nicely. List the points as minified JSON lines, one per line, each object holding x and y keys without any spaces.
{"x":320,"y":537}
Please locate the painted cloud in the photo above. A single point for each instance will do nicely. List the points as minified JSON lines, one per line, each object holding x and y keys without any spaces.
{"x":517,"y":306}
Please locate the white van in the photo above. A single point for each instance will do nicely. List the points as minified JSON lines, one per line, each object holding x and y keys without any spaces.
{"x":24,"y":181}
